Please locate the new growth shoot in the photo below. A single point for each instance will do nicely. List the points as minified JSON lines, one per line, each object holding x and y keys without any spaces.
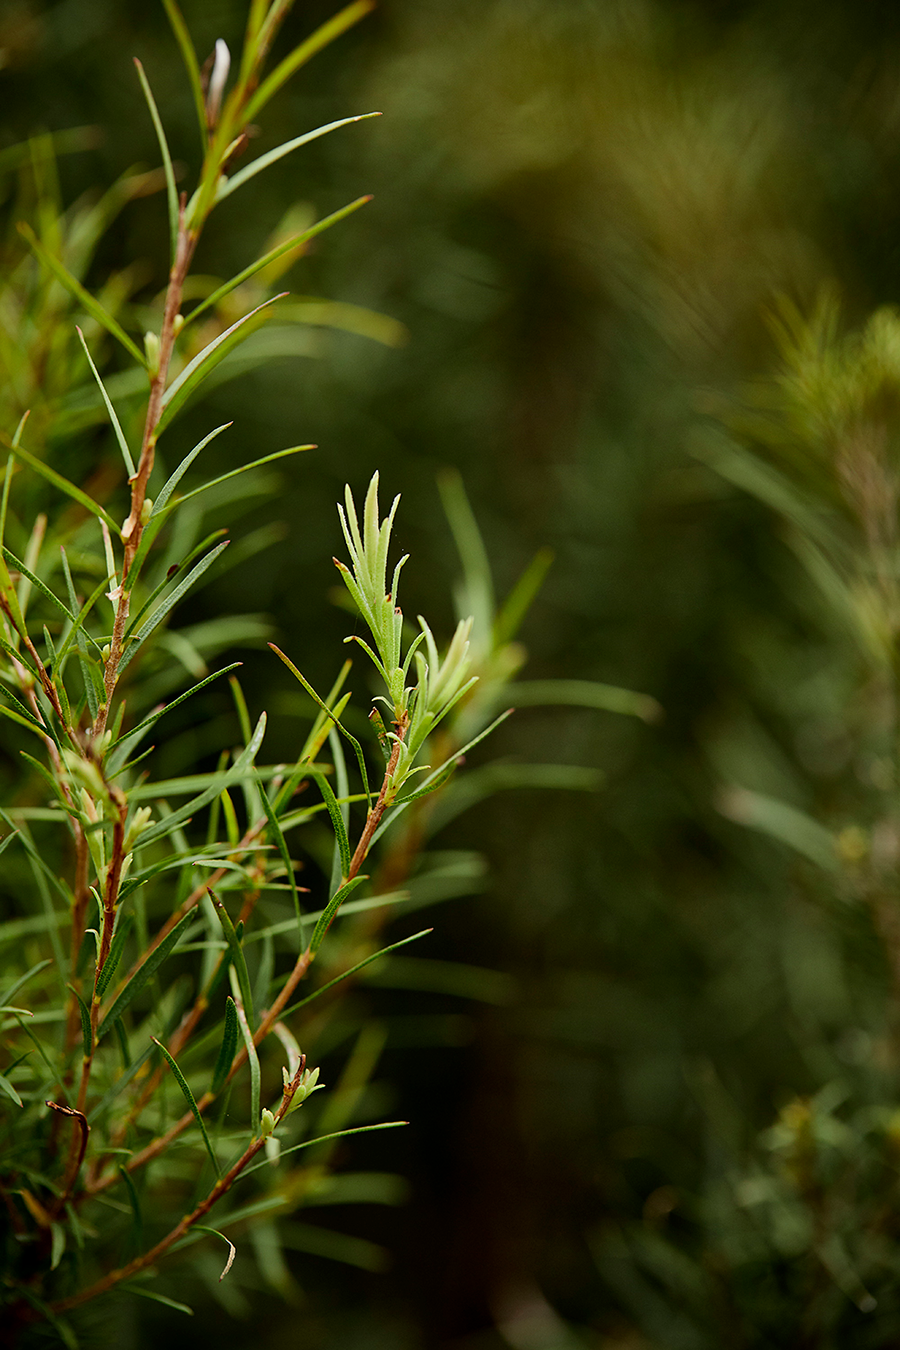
{"x":416,"y":708}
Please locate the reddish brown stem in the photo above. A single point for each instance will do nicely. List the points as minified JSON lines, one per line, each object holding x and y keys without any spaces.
{"x":81,"y":1137}
{"x":373,"y":820}
{"x":133,"y":527}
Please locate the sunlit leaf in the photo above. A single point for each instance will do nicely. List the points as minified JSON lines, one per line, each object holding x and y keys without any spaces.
{"x":229,"y":185}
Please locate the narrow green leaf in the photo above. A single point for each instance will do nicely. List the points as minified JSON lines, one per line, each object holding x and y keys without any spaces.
{"x":120,"y":435}
{"x":585,"y":694}
{"x":439,"y":782}
{"x":86,"y":1037}
{"x":219,"y":783}
{"x":174,"y":478}
{"x":479,"y":784}
{"x":68,"y":488}
{"x":143,"y":973}
{"x":153,"y":718}
{"x":229,"y":185}
{"x":154,"y":1297}
{"x":337,"y":820}
{"x":318,"y":228}
{"x":342,"y":795}
{"x":330,"y":910}
{"x":240,"y":704}
{"x":519,"y":601}
{"x":357,"y":748}
{"x":237,"y":953}
{"x":92,"y":306}
{"x":62,"y":1329}
{"x":135,"y":621}
{"x":244,"y":468}
{"x":14,"y":988}
{"x":9,"y":601}
{"x":196,"y":371}
{"x":327,"y":33}
{"x":114,"y":956}
{"x":78,"y":632}
{"x":57,"y":1244}
{"x":321,"y":726}
{"x":36,"y":582}
{"x":135,"y":1207}
{"x":120,"y":1084}
{"x":77,"y":626}
{"x":782,"y":821}
{"x":436,"y":773}
{"x":252,"y":1057}
{"x":169,"y":604}
{"x":45,"y":873}
{"x":326,"y":1138}
{"x":189,"y":56}
{"x":7,"y":1087}
{"x":283,"y":849}
{"x":171,"y":190}
{"x":228,"y":1047}
{"x":189,"y":1098}
{"x":8,"y":468}
{"x":479,"y":586}
{"x":22,"y":714}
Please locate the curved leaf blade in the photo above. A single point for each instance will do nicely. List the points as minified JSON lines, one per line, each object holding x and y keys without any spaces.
{"x":189,"y":1098}
{"x":229,"y":185}
{"x":227,"y":1048}
{"x":196,"y":371}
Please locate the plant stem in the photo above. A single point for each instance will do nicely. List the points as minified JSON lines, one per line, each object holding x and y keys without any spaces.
{"x":373,"y":820}
{"x":133,"y":527}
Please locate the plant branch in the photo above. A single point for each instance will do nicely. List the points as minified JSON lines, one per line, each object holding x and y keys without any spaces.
{"x":114,"y":1277}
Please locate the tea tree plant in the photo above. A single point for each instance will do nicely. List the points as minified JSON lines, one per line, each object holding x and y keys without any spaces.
{"x":156,"y":940}
{"x":94,"y":1022}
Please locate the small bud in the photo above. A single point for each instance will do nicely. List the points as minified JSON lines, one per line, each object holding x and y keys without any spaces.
{"x":266,"y":1123}
{"x":139,"y":823}
{"x":221,"y":67}
{"x":177,"y":324}
{"x":146,"y":510}
{"x":309,"y":1083}
{"x":104,"y":653}
{"x":151,"y":351}
{"x":88,"y":806}
{"x":86,"y":774}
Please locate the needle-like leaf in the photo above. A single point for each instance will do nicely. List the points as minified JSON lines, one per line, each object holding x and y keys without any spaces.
{"x":189,"y":1098}
{"x":171,"y":190}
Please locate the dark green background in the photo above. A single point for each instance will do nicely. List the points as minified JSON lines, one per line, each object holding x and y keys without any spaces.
{"x":582,"y":210}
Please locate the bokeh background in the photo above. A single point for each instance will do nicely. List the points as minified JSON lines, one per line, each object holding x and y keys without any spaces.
{"x":584,"y":211}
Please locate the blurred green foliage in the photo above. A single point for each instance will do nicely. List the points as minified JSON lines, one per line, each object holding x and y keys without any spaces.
{"x":681,"y":1131}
